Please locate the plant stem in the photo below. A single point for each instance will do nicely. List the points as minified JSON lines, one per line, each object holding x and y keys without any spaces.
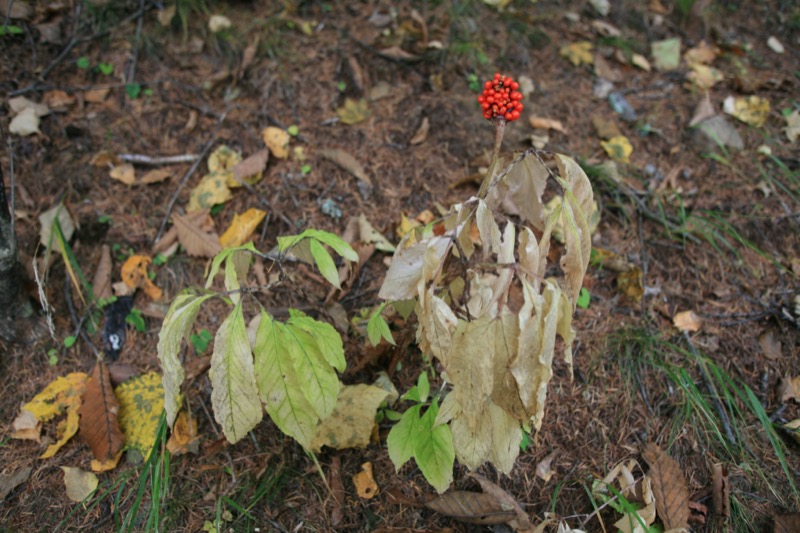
{"x":489,"y":181}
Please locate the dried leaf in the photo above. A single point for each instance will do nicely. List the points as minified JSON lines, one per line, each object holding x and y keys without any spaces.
{"x":721,"y":491}
{"x":546,"y":124}
{"x":422,"y":132}
{"x":790,"y":389}
{"x":368,"y":234}
{"x":249,"y":171}
{"x":184,"y":438}
{"x":619,"y":148}
{"x":241,"y":228}
{"x":787,"y":523}
{"x":752,"y":110}
{"x":124,"y":173}
{"x":770,"y":346}
{"x":792,"y":128}
{"x":135,"y":276}
{"x":522,"y":521}
{"x":192,"y":236}
{"x":687,"y":321}
{"x":101,"y":283}
{"x":704,"y":77}
{"x":366,"y":487}
{"x":666,"y":53}
{"x":212,"y":190}
{"x":703,"y":111}
{"x":703,"y":54}
{"x":24,"y":123}
{"x":579,"y":53}
{"x":26,"y":427}
{"x":99,"y":425}
{"x":141,"y":400}
{"x":350,"y":164}
{"x":640,"y":61}
{"x":397,"y":53}
{"x":631,"y":283}
{"x":471,"y":507}
{"x":543,"y":467}
{"x":277,"y":140}
{"x":353,"y":111}
{"x":9,"y":482}
{"x":352,"y":420}
{"x":669,"y":487}
{"x":61,"y":395}
{"x":155,"y":176}
{"x":79,"y":483}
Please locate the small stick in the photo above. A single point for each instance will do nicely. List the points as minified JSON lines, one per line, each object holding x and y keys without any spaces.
{"x":141,"y":159}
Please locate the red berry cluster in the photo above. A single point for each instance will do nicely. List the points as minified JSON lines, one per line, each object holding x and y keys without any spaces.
{"x":501,"y":98}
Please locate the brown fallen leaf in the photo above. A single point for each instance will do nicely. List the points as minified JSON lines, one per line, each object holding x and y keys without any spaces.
{"x":250,"y":170}
{"x":787,"y":523}
{"x":720,"y":491}
{"x":471,"y":507}
{"x":155,"y":176}
{"x":545,"y":124}
{"x":669,"y":487}
{"x":124,"y":173}
{"x":27,"y":427}
{"x":121,"y":372}
{"x":543,"y":468}
{"x":193,"y":237}
{"x":522,"y":521}
{"x":397,"y":53}
{"x":99,"y":426}
{"x":789,"y":388}
{"x":184,"y":437}
{"x":101,"y":284}
{"x":421,"y":133}
{"x":349,"y":163}
{"x":687,"y":321}
{"x":770,"y":345}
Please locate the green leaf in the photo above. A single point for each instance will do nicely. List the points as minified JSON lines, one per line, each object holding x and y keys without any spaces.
{"x":278,"y":384}
{"x":378,"y":329}
{"x":234,"y":394}
{"x":423,"y":386}
{"x":293,"y":130}
{"x":225,"y":254}
{"x":136,"y":320}
{"x":325,"y":263}
{"x":106,"y":68}
{"x":200,"y":340}
{"x":433,"y":450}
{"x":400,"y":441}
{"x":412,"y":395}
{"x":83,"y":62}
{"x":177,"y":324}
{"x":339,"y":246}
{"x":10,"y":30}
{"x":133,"y":90}
{"x":584,"y":297}
{"x":69,"y":341}
{"x":327,"y":338}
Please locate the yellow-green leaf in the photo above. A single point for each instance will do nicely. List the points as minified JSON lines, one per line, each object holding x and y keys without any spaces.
{"x":353,"y":111}
{"x":579,"y":53}
{"x":618,"y":148}
{"x":234,"y":395}
{"x":80,"y":484}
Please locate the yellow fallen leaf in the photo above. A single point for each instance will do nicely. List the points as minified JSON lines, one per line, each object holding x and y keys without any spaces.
{"x":109,"y":464}
{"x":80,"y":484}
{"x":704,"y":76}
{"x":277,"y":140}
{"x":752,"y":110}
{"x":141,"y":400}
{"x":365,"y":483}
{"x":242,"y":227}
{"x":687,"y":321}
{"x":353,"y":111}
{"x":124,"y":173}
{"x":212,"y":189}
{"x":351,"y":423}
{"x":135,"y":276}
{"x":223,"y":158}
{"x":62,"y":395}
{"x":618,"y":148}
{"x":579,"y":53}
{"x":184,"y":436}
{"x":406,"y":226}
{"x":640,"y":61}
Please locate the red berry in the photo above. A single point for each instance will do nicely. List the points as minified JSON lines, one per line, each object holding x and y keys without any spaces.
{"x":515,"y":115}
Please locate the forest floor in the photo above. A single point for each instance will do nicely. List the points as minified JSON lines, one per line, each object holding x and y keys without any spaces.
{"x":702,"y":218}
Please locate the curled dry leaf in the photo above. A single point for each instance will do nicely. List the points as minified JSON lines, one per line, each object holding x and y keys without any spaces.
{"x":669,"y":487}
{"x":101,"y":284}
{"x":184,"y":438}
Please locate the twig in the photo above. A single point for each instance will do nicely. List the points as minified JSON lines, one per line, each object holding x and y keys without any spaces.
{"x":136,"y":40}
{"x":712,"y":390}
{"x":186,"y":177}
{"x":141,"y":159}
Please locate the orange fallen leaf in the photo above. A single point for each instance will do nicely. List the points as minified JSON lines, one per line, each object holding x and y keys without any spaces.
{"x":241,"y":228}
{"x":687,"y":321}
{"x":135,"y":276}
{"x":365,"y":483}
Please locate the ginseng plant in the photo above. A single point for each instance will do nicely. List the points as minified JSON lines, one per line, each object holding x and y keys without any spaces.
{"x":487,"y":311}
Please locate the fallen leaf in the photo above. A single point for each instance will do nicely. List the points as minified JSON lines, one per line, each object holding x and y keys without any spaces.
{"x":184,"y":438}
{"x":792,"y":128}
{"x":101,"y":283}
{"x":703,"y":111}
{"x":397,"y":53}
{"x":578,"y":53}
{"x":752,"y":110}
{"x":99,"y":426}
{"x":775,"y":45}
{"x":218,"y":23}
{"x":604,"y":70}
{"x":367,"y":233}
{"x":124,"y":173}
{"x":365,"y":484}
{"x":669,"y":487}
{"x":61,"y":395}
{"x":543,"y":470}
{"x":155,"y":176}
{"x":631,"y":283}
{"x":687,"y":321}
{"x":718,"y":130}
{"x":702,"y":54}
{"x":96,"y":96}
{"x":789,"y":389}
{"x":212,"y":190}
{"x":350,"y":164}
{"x":79,"y":483}
{"x":24,"y":123}
{"x":770,"y":346}
{"x":277,"y":140}
{"x":720,"y":490}
{"x":46,"y":235}
{"x":166,"y":15}
{"x":104,"y":158}
{"x":194,"y":234}
{"x":9,"y":482}
{"x":249,"y":171}
{"x":546,"y":124}
{"x":141,"y":400}
{"x":704,"y":77}
{"x":352,"y":420}
{"x":18,"y":104}
{"x":666,"y":53}
{"x":241,"y":228}
{"x":353,"y":111}
{"x":422,"y":132}
{"x":522,"y":521}
{"x":135,"y":276}
{"x":638,"y":60}
{"x":618,"y":148}
{"x":605,"y":129}
{"x":26,"y":427}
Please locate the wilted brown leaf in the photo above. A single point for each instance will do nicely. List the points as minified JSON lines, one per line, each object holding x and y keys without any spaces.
{"x":421,"y":133}
{"x":101,"y":284}
{"x":337,"y":491}
{"x":506,"y":501}
{"x":26,"y":426}
{"x":395,"y":52}
{"x":720,"y":491}
{"x":250,"y":170}
{"x":669,"y":487}
{"x":471,"y":507}
{"x":99,"y":426}
{"x":193,"y":237}
{"x":184,"y":437}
